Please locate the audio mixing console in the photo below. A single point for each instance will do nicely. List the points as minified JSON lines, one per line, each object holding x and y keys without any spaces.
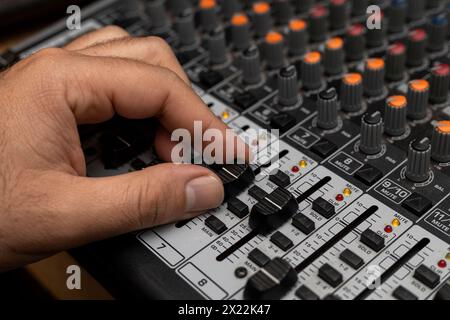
{"x":358,"y":204}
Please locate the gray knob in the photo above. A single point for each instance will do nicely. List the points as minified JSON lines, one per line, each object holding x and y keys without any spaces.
{"x":157,"y":13}
{"x":334,"y":56}
{"x":397,"y":16}
{"x":419,"y":159}
{"x":240,"y":31}
{"x":311,"y":71}
{"x":185,"y":28}
{"x":437,"y":32}
{"x":273,"y":50}
{"x":217,"y":47}
{"x":262,"y":18}
{"x":396,"y":62}
{"x":371,"y":133}
{"x":416,"y":47}
{"x":395,"y":116}
{"x":359,"y":7}
{"x":416,"y":9}
{"x":178,"y":6}
{"x":418,"y":96}
{"x":303,"y":6}
{"x":339,"y":14}
{"x":439,"y":83}
{"x":283,"y":11}
{"x":230,"y":7}
{"x":288,"y":86}
{"x":327,"y":107}
{"x":298,"y":37}
{"x":251,"y":66}
{"x":441,"y":142}
{"x":208,"y":15}
{"x":374,"y":73}
{"x":352,"y":92}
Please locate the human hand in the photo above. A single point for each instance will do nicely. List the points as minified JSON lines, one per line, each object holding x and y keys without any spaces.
{"x":47,"y":203}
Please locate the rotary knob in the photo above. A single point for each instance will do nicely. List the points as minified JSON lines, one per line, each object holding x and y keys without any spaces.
{"x":217,"y":47}
{"x":157,"y":13}
{"x":437,"y":32}
{"x":355,"y":43}
{"x":208,"y":15}
{"x":395,"y":116}
{"x":441,"y":142}
{"x":251,"y":66}
{"x":311,"y":71}
{"x":303,"y":6}
{"x":297,"y":37}
{"x":185,"y":28}
{"x":371,"y":133}
{"x":262,"y":19}
{"x":318,"y":23}
{"x":178,"y":6}
{"x":240,"y":31}
{"x":396,"y":62}
{"x":416,"y":48}
{"x":352,"y":92}
{"x":374,"y":74}
{"x":419,"y":159}
{"x":334,"y":56}
{"x":273,"y":50}
{"x":327,"y":108}
{"x":288,"y":87}
{"x":418,"y":96}
{"x":283,"y":11}
{"x":339,"y":14}
{"x":359,"y":7}
{"x":439,"y":83}
{"x":397,"y":16}
{"x":416,"y":9}
{"x":376,"y":37}
{"x":230,"y":7}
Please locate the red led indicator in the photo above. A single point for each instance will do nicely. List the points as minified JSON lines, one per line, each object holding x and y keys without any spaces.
{"x":295,"y":169}
{"x":388,"y":229}
{"x":339,"y":197}
{"x":442,"y":264}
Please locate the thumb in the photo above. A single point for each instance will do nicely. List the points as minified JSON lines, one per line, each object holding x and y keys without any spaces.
{"x":97,"y":208}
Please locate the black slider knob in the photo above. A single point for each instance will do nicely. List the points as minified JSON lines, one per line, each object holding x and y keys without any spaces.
{"x":396,"y":62}
{"x":311,"y":71}
{"x":441,"y":142}
{"x":273,"y":211}
{"x":416,"y":9}
{"x":334,"y":56}
{"x":374,"y":74}
{"x":418,"y":96}
{"x":283,"y":11}
{"x":251,"y":66}
{"x":272,"y":282}
{"x":185,"y":28}
{"x":235,"y":178}
{"x":327,"y":109}
{"x":416,"y":48}
{"x":339,"y":14}
{"x":397,"y":12}
{"x":157,"y":13}
{"x":262,"y":19}
{"x":437,"y":32}
{"x":395,"y":116}
{"x":288,"y":86}
{"x":439,"y":83}
{"x":318,"y":23}
{"x":217,"y":47}
{"x":273,"y":50}
{"x":419,"y":159}
{"x":355,"y":43}
{"x":298,"y":37}
{"x":352,"y":92}
{"x":371,"y":133}
{"x":209,"y":19}
{"x":240,"y":31}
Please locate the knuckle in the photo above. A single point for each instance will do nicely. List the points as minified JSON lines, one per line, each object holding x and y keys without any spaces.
{"x":115,"y":30}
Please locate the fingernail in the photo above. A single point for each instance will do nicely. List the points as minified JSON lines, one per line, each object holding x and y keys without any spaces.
{"x":204,"y":193}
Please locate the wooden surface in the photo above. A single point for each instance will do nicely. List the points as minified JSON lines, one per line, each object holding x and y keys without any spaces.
{"x":51,"y":272}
